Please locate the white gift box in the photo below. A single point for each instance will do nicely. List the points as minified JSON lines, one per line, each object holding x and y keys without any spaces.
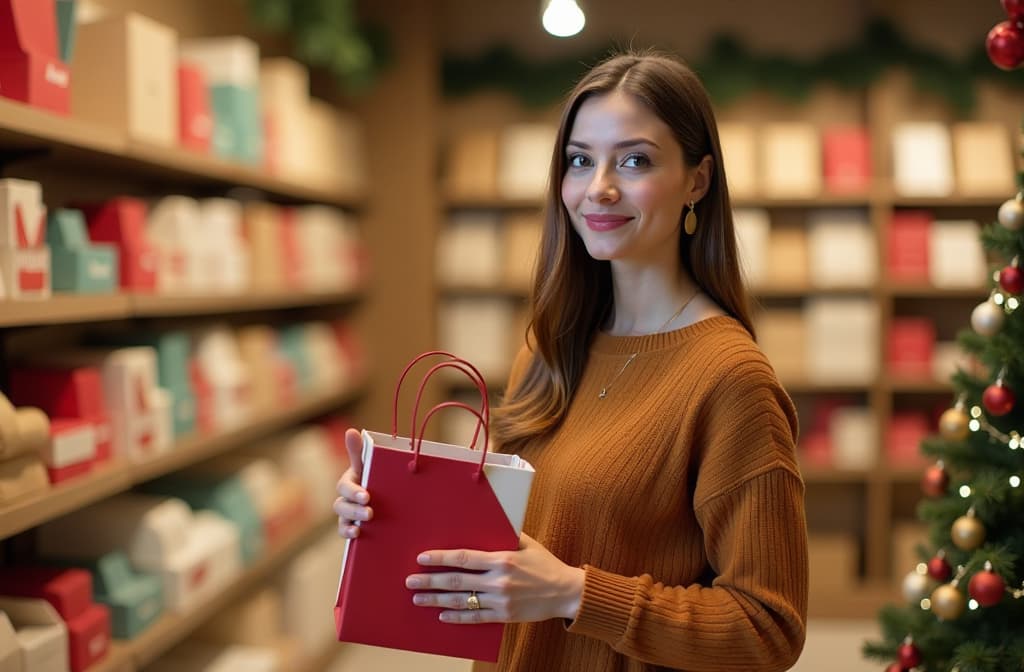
{"x":337,"y":156}
{"x":842,"y":250}
{"x":22,"y":214}
{"x":469,"y":250}
{"x":790,"y":160}
{"x":203,"y":657}
{"x":739,"y":153}
{"x":10,"y":649}
{"x":307,"y":456}
{"x":753,"y":230}
{"x":922,"y":159}
{"x":140,"y":411}
{"x":233,"y":60}
{"x":284,"y":96}
{"x":479,"y":329}
{"x":304,"y":598}
{"x":224,"y":376}
{"x":42,"y":637}
{"x":175,"y":228}
{"x":525,"y":159}
{"x":321,"y":232}
{"x":224,"y":251}
{"x":520,"y":241}
{"x":842,"y":340}
{"x":194,"y":554}
{"x":70,"y":445}
{"x":25,"y":272}
{"x":854,"y":434}
{"x":955,"y":255}
{"x":983,"y":152}
{"x":329,"y":370}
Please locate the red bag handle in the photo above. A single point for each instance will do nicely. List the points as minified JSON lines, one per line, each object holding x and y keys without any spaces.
{"x":485,"y":404}
{"x":418,"y":439}
{"x":476,"y":377}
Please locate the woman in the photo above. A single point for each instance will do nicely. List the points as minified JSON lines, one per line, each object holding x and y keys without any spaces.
{"x":666,"y":525}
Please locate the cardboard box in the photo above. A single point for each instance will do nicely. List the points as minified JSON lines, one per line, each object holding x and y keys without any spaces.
{"x":955,"y":255}
{"x":469,"y":250}
{"x":175,"y":229}
{"x":525,"y":159}
{"x":41,"y":634}
{"x":284,"y":96}
{"x":140,"y":410}
{"x":122,"y":221}
{"x":472,"y":164}
{"x":910,"y":345}
{"x":30,"y":67}
{"x":841,"y":249}
{"x":72,"y":448}
{"x":263,"y":233}
{"x":782,"y":335}
{"x":854,"y":433}
{"x":842,"y":340}
{"x":787,"y":249}
{"x":126,"y":77}
{"x":195,"y":117}
{"x":739,"y":153}
{"x":26,"y":272}
{"x":135,"y":599}
{"x":983,"y":152}
{"x":753,"y":231}
{"x":790,"y":160}
{"x":907,"y":245}
{"x":219,"y":380}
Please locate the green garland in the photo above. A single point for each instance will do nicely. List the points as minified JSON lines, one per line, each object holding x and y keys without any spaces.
{"x":729,"y":71}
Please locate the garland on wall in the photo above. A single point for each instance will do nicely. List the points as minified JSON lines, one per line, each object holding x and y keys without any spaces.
{"x":730,"y":71}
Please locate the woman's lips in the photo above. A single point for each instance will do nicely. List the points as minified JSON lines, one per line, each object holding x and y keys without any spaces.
{"x":605,"y":222}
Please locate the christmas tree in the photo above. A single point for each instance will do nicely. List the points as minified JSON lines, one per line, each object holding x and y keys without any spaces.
{"x":964,"y":608}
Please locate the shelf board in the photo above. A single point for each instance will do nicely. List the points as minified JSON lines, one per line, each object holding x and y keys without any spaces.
{"x":924,"y":291}
{"x":804,"y":291}
{"x":30,"y":130}
{"x":860,"y":600}
{"x":173,"y":628}
{"x":954,"y":201}
{"x":457,"y":202}
{"x":820,"y":201}
{"x":118,"y":659}
{"x":496,"y":291}
{"x":71,"y":308}
{"x":804,"y":386}
{"x":833,"y":475}
{"x":119,"y":476}
{"x":917,"y":386}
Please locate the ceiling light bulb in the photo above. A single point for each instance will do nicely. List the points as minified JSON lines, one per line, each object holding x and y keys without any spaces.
{"x":563,"y":18}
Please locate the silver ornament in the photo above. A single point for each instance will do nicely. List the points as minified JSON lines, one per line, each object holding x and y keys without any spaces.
{"x":987,"y":318}
{"x":1011,"y":214}
{"x":917,"y":586}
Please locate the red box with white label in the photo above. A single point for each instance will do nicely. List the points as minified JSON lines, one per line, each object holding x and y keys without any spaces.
{"x":195,"y":118}
{"x":68,"y":590}
{"x":24,"y":256}
{"x":66,"y":393}
{"x":72,"y":449}
{"x":122,"y":221}
{"x":30,"y":68}
{"x":88,"y":636}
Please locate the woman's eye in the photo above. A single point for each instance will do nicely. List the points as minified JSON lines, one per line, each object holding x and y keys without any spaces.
{"x":578,"y":161}
{"x":636,"y":161}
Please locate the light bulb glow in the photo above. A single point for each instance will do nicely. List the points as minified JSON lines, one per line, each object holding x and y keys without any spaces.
{"x":975,"y":411}
{"x":974,"y":425}
{"x":998,"y":299}
{"x":965,"y":491}
{"x":1014,"y":481}
{"x":973,"y":605}
{"x":563,"y":18}
{"x":1012,"y":303}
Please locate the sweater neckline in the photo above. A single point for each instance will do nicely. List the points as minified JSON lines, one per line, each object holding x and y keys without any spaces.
{"x":606,"y":343}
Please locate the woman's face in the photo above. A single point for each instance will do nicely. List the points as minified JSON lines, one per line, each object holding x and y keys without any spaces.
{"x":626,"y":184}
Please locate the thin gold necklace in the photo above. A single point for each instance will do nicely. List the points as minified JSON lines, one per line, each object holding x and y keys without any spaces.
{"x":604,"y":390}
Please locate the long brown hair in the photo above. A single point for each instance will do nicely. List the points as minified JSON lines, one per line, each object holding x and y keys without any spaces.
{"x":572,"y":292}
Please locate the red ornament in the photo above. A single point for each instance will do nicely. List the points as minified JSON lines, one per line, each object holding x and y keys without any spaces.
{"x":908,"y":655}
{"x":1014,"y":9}
{"x":1005,"y":45}
{"x":987,"y":587}
{"x":939,"y":568}
{"x":1011,"y":278}
{"x":998,"y":399}
{"x":895,"y":667}
{"x":935,"y":481}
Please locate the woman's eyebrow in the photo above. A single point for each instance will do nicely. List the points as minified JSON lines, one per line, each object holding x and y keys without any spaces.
{"x":632,"y":142}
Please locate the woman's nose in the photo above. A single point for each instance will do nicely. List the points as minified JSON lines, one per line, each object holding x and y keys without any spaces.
{"x":602,"y":190}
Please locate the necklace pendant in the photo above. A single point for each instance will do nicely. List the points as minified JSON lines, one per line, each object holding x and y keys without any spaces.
{"x":603,"y":393}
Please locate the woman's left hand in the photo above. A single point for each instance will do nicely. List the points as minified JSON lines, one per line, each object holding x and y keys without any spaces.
{"x":521,"y":586}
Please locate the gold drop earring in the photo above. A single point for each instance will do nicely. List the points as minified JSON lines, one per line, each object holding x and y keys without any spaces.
{"x":690,"y":223}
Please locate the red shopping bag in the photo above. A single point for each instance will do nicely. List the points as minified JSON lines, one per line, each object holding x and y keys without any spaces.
{"x":427,"y":495}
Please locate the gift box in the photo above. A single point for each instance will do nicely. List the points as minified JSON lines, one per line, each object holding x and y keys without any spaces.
{"x":472,"y":164}
{"x":525,"y":154}
{"x":10,"y":649}
{"x":922,"y":159}
{"x":222,"y":246}
{"x":284,"y":94}
{"x":31,"y":70}
{"x":790,"y":160}
{"x":907,"y":244}
{"x":78,"y":266}
{"x":955,"y":255}
{"x":24,"y":255}
{"x":175,"y":228}
{"x":125,"y":69}
{"x":122,"y":221}
{"x":195,"y":119}
{"x":219,"y":380}
{"x":262,"y":227}
{"x":739,"y":153}
{"x":846,"y":159}
{"x":41,"y":635}
{"x":71,"y":451}
{"x":842,"y":249}
{"x":903,"y":436}
{"x":910,"y":345}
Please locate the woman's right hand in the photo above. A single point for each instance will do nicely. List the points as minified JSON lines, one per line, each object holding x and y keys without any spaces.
{"x":351,"y":506}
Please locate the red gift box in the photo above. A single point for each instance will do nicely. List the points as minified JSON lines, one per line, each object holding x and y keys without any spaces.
{"x":910,"y":346}
{"x":195,"y":130}
{"x":77,"y":437}
{"x":846,"y":159}
{"x":30,"y":68}
{"x":907,"y":245}
{"x":68,"y":590}
{"x":88,"y":636}
{"x":122,"y":221}
{"x":291,"y":249}
{"x":903,"y":438}
{"x":66,"y":393}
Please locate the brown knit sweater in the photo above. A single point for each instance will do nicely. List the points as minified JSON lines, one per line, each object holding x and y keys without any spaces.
{"x":680,"y":496}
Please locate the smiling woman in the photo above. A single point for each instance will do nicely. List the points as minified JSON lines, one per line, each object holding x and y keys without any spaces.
{"x":666,"y":526}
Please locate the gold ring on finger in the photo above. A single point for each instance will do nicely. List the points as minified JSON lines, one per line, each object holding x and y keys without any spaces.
{"x":472,"y":602}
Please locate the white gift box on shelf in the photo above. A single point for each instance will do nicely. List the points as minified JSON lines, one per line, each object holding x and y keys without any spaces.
{"x":40,"y":634}
{"x":520,"y":242}
{"x":257,"y":346}
{"x":205,"y":657}
{"x":194,"y":554}
{"x":790,"y":160}
{"x":304,"y":598}
{"x":140,"y":411}
{"x":220,"y":379}
{"x":854,"y":434}
{"x":337,"y":156}
{"x":525,"y":158}
{"x":176,"y":230}
{"x":479,"y":329}
{"x":71,"y":442}
{"x":842,"y":340}
{"x":326,"y":259}
{"x":307,"y":456}
{"x":955,"y":255}
{"x":223,"y":245}
{"x":126,"y":75}
{"x":469,"y":250}
{"x":329,"y":370}
{"x":983,"y":153}
{"x":739,"y":153}
{"x":922,"y":159}
{"x":782,"y":335}
{"x":284,"y":96}
{"x":753,"y":230}
{"x":24,"y":254}
{"x":264,"y":235}
{"x":10,"y":649}
{"x":471,"y":164}
{"x":842,"y":248}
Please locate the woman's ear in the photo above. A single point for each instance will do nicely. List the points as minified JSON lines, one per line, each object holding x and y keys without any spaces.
{"x":701,"y":178}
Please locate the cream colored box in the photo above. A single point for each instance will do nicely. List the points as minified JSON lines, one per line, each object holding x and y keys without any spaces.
{"x":220,"y":367}
{"x":922,"y":159}
{"x":782,"y":335}
{"x":472,"y":165}
{"x":26,"y":272}
{"x":521,"y":237}
{"x":983,"y":154}
{"x":787,"y":264}
{"x":10,"y":648}
{"x":284,"y":96}
{"x":524,"y":159}
{"x":739,"y":153}
{"x":322,"y":237}
{"x":176,"y":230}
{"x":22,"y":214}
{"x":337,"y":157}
{"x":479,"y":329}
{"x":42,"y":636}
{"x":263,"y":235}
{"x":140,"y":411}
{"x":854,"y":434}
{"x":790,"y":160}
{"x":226,"y":259}
{"x":305,"y":599}
{"x":955,"y":255}
{"x":842,"y":340}
{"x":126,"y":75}
{"x":257,"y":347}
{"x":330,"y":371}
{"x":753,"y":231}
{"x":307,"y":456}
{"x":842,"y":248}
{"x":469,"y":250}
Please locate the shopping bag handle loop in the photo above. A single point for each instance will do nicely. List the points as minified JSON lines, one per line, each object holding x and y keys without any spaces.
{"x":485,"y":404}
{"x":475,"y":376}
{"x":418,"y":438}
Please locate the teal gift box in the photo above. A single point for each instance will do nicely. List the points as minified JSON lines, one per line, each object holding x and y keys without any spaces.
{"x":237,"y":125}
{"x":226,"y":496}
{"x":66,"y":28}
{"x":78,"y":265}
{"x":291,"y":343}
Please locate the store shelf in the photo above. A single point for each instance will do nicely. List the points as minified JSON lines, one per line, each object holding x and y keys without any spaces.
{"x":456,"y":202}
{"x":927,"y":291}
{"x":954,"y":201}
{"x":805,"y":386}
{"x":819,"y":201}
{"x":172,"y":629}
{"x":68,"y":309}
{"x":120,"y":476}
{"x":917,"y":386}
{"x":494,"y":291}
{"x":859,"y":601}
{"x":31,"y":131}
{"x":118,"y":659}
{"x":832,"y":475}
{"x":806,"y":291}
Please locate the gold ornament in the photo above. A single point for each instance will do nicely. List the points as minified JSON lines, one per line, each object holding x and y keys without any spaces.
{"x":1011,"y":214}
{"x":968,"y":533}
{"x":916,"y":586}
{"x":948,"y":603}
{"x":987,"y":318}
{"x":953,"y":425}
